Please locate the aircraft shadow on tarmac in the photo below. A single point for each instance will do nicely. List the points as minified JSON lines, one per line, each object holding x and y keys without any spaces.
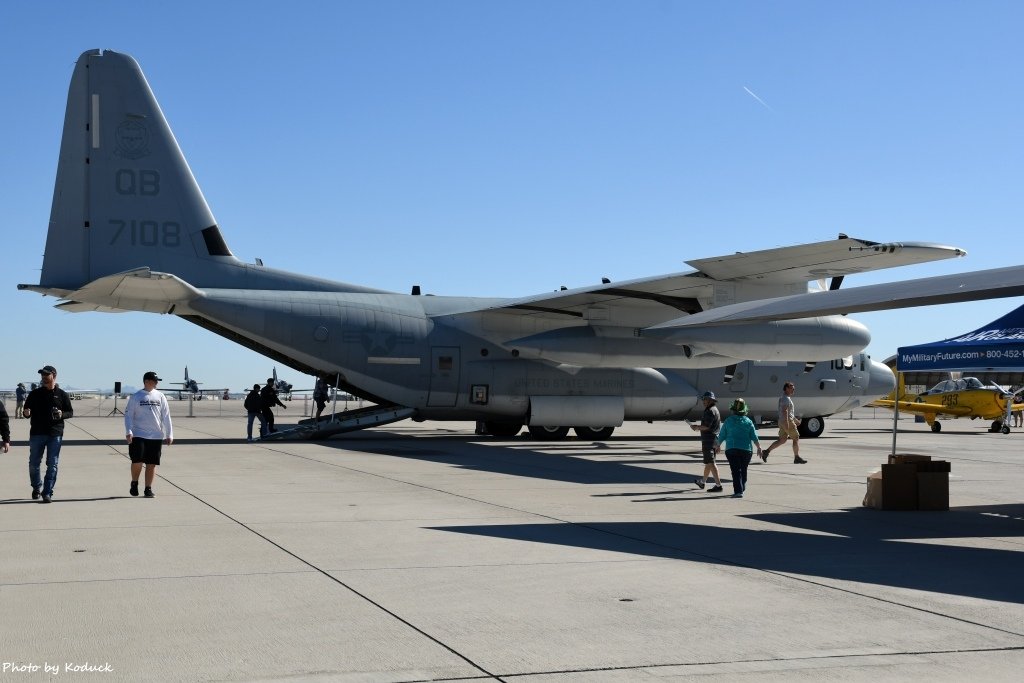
{"x":118,"y":443}
{"x":868,"y":556}
{"x":19,"y":501}
{"x":526,"y":459}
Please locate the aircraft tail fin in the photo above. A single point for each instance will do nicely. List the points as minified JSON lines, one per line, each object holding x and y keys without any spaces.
{"x":900,"y":392}
{"x":124,"y":197}
{"x":126,"y":203}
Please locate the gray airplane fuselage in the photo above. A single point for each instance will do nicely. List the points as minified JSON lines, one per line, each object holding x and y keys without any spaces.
{"x":398,"y":348}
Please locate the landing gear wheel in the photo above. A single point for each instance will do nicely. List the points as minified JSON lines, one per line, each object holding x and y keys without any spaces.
{"x":996,"y":426}
{"x":548,"y":433}
{"x":811,"y":427}
{"x":936,"y":427}
{"x":1005,"y":429}
{"x":593,"y":433}
{"x":503,"y":428}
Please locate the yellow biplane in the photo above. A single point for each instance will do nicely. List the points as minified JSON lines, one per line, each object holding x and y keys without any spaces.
{"x":965,"y":397}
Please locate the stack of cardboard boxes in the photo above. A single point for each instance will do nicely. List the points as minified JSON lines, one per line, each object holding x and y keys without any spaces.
{"x":909,"y":482}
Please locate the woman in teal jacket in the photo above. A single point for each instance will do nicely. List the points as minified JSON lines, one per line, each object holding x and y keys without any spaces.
{"x":739,"y":436}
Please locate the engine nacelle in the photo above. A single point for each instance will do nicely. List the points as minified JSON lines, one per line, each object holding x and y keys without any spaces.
{"x":807,"y":339}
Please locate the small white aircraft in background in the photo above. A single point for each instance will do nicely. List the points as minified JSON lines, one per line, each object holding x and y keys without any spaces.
{"x":190,"y":387}
{"x":284,"y":389}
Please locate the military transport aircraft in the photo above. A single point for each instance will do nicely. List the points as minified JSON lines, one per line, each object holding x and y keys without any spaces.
{"x":964,"y":397}
{"x":130,"y":230}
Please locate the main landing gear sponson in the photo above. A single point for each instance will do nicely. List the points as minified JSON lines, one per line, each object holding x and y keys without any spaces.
{"x":510,"y":429}
{"x":559,"y":433}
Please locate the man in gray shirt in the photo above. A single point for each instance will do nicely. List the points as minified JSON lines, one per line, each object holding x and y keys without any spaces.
{"x":787,"y":425}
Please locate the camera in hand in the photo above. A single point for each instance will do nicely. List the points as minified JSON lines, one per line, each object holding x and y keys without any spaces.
{"x":55,"y":411}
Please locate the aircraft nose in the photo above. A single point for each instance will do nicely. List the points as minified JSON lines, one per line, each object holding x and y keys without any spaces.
{"x":880,"y":379}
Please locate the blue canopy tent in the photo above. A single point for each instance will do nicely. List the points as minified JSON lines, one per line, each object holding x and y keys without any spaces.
{"x":997,"y":346}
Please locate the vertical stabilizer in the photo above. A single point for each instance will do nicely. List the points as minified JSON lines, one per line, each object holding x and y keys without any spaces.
{"x":124,"y":196}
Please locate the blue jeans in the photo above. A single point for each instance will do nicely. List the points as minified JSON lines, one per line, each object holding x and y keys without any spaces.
{"x":738,"y":462}
{"x":254,"y":415}
{"x":36,"y":445}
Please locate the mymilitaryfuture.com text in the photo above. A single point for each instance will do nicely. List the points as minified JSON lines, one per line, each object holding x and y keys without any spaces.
{"x":1008,"y":354}
{"x":56,"y":668}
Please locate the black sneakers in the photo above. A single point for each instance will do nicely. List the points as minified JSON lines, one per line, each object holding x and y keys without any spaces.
{"x":699,"y":482}
{"x":148,"y":493}
{"x":799,"y":461}
{"x":35,"y":494}
{"x":46,"y":499}
{"x":134,"y":489}
{"x":715,"y":489}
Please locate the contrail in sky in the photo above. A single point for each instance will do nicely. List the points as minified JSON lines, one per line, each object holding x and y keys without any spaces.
{"x":749,"y":92}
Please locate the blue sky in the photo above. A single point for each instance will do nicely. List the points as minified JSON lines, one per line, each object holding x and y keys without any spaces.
{"x":508,"y":148}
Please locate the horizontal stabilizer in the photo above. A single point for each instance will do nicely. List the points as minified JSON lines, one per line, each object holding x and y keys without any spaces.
{"x":996,"y":283}
{"x":135,"y":290}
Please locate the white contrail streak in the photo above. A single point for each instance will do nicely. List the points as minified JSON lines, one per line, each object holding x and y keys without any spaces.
{"x":749,"y":92}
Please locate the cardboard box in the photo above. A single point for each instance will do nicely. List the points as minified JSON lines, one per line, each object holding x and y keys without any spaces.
{"x":932,"y":491}
{"x":906,"y":458}
{"x":909,"y":482}
{"x":873,"y":497}
{"x":899,"y":487}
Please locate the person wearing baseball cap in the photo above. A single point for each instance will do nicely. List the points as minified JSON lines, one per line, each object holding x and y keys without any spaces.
{"x":47,"y":406}
{"x":147,"y":427}
{"x":710,"y":423}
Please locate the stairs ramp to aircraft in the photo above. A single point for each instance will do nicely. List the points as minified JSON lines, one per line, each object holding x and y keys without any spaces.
{"x":339,"y":423}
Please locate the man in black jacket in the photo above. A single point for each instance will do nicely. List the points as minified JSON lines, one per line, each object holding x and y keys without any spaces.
{"x":254,"y":408}
{"x":47,"y":406}
{"x":268,"y":395}
{"x":5,"y":428}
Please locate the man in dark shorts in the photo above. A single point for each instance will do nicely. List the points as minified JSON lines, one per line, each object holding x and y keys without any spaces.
{"x":147,"y":426}
{"x":710,"y":423}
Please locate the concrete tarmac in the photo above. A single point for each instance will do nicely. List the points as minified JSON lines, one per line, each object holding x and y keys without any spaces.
{"x":421,"y":552}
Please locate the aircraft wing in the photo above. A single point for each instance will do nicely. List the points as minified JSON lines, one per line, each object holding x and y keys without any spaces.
{"x":924,"y":408}
{"x":806,"y":262}
{"x":662,"y":296}
{"x":982,"y":284}
{"x":134,"y":290}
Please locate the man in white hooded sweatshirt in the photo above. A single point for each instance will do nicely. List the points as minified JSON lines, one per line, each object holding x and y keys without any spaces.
{"x":147,"y":426}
